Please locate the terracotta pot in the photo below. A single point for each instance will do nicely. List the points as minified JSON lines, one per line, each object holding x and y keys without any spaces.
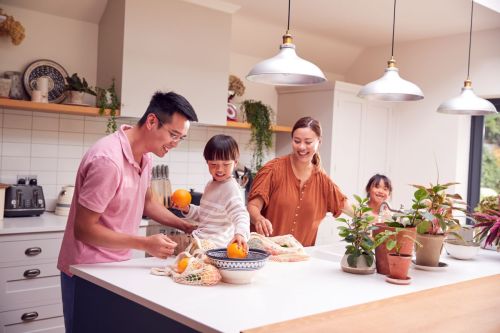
{"x":381,"y":251}
{"x":362,"y":266}
{"x":430,"y":251}
{"x":399,"y":265}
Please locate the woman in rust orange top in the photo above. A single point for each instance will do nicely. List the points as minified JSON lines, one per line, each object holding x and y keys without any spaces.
{"x":292,"y":194}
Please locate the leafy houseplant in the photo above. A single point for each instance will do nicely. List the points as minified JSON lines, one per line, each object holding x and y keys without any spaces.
{"x":108,"y":99}
{"x":487,"y":218}
{"x":77,"y":88}
{"x":259,"y":117}
{"x":357,"y":233}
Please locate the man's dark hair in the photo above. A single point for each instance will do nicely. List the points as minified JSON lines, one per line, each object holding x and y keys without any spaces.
{"x":221,"y":148}
{"x":164,"y":105}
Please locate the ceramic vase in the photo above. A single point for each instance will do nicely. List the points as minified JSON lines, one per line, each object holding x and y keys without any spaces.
{"x":362,"y":266}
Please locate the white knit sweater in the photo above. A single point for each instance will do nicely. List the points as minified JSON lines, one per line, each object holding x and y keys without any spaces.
{"x":221,"y":214}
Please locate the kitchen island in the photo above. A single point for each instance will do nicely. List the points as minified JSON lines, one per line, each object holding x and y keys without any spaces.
{"x":125,"y":297}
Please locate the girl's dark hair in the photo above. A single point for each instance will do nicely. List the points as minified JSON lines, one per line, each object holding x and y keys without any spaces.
{"x":164,"y":105}
{"x":313,"y":124}
{"x":222,"y":148}
{"x":375,"y":180}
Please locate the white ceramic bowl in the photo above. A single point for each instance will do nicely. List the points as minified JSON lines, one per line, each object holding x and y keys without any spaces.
{"x":237,"y":271}
{"x":461,"y":250}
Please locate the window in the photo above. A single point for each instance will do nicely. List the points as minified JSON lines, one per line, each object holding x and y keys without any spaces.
{"x":484,"y":157}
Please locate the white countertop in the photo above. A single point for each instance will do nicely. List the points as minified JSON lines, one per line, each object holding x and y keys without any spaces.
{"x":281,"y":291}
{"x":46,"y":222}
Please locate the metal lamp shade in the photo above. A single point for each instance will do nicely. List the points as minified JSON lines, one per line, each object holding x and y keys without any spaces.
{"x":467,"y":103}
{"x":392,"y":88}
{"x":286,"y":69}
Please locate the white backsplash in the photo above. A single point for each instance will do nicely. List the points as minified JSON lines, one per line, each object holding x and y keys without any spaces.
{"x":50,"y":146}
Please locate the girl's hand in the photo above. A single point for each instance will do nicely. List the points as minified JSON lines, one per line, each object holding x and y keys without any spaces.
{"x":240,"y":240}
{"x":263,"y":226}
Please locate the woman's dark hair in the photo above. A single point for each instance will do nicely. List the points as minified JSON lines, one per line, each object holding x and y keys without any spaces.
{"x":313,"y":124}
{"x":375,"y":180}
{"x":221,"y":148}
{"x":164,"y":105}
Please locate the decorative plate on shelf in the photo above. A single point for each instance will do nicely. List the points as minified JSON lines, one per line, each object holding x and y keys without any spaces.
{"x":53,"y":71}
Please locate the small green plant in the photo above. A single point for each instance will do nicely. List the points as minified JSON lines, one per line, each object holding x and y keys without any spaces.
{"x":259,"y":117}
{"x":357,"y":233}
{"x":74,"y":83}
{"x":108,"y":99}
{"x":391,"y":240}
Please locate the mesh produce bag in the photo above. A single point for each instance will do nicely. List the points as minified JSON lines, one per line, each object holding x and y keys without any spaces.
{"x":197,"y":272}
{"x":280,"y":248}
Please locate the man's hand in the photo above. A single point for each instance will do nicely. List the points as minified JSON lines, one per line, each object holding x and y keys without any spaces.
{"x":159,"y":246}
{"x":188,"y":228}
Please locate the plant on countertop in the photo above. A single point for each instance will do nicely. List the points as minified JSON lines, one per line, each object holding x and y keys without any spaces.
{"x":357,"y":233}
{"x":487,"y":217}
{"x":432,"y":210}
{"x":11,"y":27}
{"x":392,"y":241}
{"x":74,"y":83}
{"x":108,"y":99}
{"x":261,"y":139}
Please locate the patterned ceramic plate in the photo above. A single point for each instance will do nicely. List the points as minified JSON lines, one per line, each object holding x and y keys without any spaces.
{"x":48,"y":68}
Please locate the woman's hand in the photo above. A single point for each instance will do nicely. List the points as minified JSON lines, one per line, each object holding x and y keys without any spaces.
{"x":263,"y":226}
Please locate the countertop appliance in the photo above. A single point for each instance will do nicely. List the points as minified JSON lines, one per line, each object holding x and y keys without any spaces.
{"x":24,"y":199}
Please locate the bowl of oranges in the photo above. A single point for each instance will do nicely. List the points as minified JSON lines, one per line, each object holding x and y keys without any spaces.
{"x":236,"y":265}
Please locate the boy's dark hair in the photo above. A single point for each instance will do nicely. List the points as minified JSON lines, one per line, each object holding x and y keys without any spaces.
{"x":221,"y":148}
{"x":164,"y":105}
{"x":375,"y":180}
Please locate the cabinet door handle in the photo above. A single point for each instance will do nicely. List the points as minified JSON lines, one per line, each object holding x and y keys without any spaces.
{"x":31,"y":273}
{"x":29,"y":316}
{"x":33,"y":251}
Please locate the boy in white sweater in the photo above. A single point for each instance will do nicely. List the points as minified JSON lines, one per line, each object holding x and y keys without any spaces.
{"x":222,"y":215}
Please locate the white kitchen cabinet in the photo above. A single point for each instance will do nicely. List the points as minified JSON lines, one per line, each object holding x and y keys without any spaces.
{"x":356,"y":138}
{"x":180,"y":46}
{"x":30,"y":292}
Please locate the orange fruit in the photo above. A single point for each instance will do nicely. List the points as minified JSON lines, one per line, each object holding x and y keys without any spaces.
{"x":182,"y":264}
{"x":234,"y":251}
{"x":181,"y":198}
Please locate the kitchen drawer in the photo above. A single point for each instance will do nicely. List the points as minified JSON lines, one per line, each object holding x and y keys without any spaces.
{"x":16,"y":290}
{"x":48,"y":319}
{"x":30,"y":250}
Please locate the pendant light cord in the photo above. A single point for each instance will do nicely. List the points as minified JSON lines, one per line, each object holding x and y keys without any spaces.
{"x":288,"y":24}
{"x":393,"y":28}
{"x":470,"y":38}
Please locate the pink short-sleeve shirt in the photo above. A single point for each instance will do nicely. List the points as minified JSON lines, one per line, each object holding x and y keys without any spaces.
{"x":111,"y":183}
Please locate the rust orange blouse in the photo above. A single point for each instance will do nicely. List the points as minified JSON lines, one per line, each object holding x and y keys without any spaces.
{"x":290,"y":209}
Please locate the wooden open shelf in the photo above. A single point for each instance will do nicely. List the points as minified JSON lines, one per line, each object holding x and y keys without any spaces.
{"x":275,"y":128}
{"x":52,"y":107}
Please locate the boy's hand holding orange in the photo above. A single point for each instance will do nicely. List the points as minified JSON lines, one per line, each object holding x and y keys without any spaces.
{"x":181,"y":199}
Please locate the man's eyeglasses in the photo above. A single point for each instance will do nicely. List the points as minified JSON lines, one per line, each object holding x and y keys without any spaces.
{"x":173,"y":136}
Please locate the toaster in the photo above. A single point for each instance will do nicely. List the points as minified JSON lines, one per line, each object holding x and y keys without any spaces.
{"x":24,"y":199}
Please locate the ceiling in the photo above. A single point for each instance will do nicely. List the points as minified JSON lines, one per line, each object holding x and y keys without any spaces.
{"x":330,"y":32}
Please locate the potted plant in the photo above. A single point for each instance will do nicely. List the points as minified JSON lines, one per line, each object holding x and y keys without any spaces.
{"x":487,"y":217}
{"x":359,"y":257}
{"x":259,"y":116}
{"x":77,"y":88}
{"x":108,"y":99}
{"x":432,"y":214}
{"x":398,"y":262}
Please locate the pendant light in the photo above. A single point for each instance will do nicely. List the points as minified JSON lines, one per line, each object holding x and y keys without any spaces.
{"x":286,"y":68}
{"x":468,"y":102}
{"x":391,"y":87}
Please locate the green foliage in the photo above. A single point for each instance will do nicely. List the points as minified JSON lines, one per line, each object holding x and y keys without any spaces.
{"x":391,"y":240}
{"x":74,"y":83}
{"x":259,"y":117}
{"x":490,"y":175}
{"x":357,"y":233}
{"x":492,"y":129}
{"x":107,"y":99}
{"x":432,"y":210}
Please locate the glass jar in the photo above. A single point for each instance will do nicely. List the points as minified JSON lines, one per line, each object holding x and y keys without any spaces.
{"x":17,"y":88}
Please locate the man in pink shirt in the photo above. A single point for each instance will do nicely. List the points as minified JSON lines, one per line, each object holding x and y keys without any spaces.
{"x":112,"y":193}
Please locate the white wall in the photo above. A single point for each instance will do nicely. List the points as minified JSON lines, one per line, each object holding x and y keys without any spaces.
{"x":423,"y":136}
{"x":71,"y":43}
